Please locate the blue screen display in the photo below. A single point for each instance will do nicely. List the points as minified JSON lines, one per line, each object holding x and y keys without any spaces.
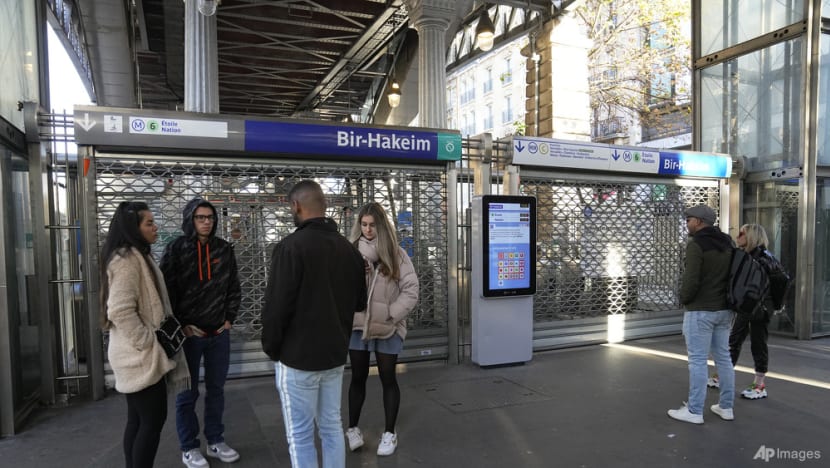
{"x":510,"y":246}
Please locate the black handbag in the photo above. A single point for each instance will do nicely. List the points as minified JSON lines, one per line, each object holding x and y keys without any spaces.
{"x":170,"y":336}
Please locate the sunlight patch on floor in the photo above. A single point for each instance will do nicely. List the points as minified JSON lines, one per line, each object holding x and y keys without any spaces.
{"x":744,"y":369}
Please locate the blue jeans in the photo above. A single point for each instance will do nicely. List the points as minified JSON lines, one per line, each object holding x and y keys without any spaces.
{"x":216,"y":351}
{"x":708,"y":331}
{"x":308,"y":397}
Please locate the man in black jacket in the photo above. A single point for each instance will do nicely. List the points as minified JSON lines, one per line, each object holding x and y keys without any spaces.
{"x":203,"y":284}
{"x":707,"y":319}
{"x":315,"y":285}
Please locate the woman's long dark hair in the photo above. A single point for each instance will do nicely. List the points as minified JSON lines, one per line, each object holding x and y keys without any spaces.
{"x":124,"y":232}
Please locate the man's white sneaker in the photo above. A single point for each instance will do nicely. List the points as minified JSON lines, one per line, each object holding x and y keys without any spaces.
{"x":388,"y":443}
{"x":683,"y":414}
{"x":713,"y":382}
{"x":223,"y":452}
{"x":355,"y":438}
{"x":725,"y":414}
{"x":193,"y":459}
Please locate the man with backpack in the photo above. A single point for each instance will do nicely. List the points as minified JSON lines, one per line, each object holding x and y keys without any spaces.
{"x":708,"y":319}
{"x":752,"y":238}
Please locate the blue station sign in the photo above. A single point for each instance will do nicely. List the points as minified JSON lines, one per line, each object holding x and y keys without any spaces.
{"x":548,"y":152}
{"x":230,"y":134}
{"x":351,"y":142}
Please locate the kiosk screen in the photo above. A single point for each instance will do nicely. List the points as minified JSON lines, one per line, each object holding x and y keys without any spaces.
{"x":509,"y":241}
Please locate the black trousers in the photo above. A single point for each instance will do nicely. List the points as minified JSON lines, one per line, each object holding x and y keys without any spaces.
{"x":758,"y":335}
{"x":146,"y":413}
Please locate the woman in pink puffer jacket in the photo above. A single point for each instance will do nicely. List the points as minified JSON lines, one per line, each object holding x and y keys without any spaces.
{"x":381,"y":328}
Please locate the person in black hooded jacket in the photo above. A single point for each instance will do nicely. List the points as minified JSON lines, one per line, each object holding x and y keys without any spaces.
{"x":707,"y":320}
{"x":201,"y":276}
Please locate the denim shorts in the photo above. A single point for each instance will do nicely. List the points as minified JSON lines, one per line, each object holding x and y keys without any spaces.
{"x":391,"y":345}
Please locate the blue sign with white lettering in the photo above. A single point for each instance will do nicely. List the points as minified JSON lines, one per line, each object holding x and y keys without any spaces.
{"x":686,"y":163}
{"x":351,"y":142}
{"x":548,"y":152}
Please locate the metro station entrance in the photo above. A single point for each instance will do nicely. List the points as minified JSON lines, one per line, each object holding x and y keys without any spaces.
{"x":246,"y":168}
{"x":254,"y":215}
{"x":611,"y":232}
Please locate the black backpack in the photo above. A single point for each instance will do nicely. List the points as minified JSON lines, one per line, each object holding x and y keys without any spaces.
{"x":748,"y":284}
{"x":779,"y":280}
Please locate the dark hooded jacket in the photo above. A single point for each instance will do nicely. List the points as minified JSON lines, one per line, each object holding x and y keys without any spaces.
{"x":202,"y":279}
{"x":705,"y":279}
{"x":316,"y":283}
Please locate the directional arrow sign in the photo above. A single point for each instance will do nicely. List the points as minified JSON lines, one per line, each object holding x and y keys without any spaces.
{"x":519,"y":146}
{"x":86,"y":124}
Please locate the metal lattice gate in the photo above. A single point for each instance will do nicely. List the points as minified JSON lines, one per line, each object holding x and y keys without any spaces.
{"x":250,"y":197}
{"x":609,"y":253}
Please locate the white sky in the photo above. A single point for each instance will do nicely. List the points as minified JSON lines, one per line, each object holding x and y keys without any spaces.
{"x":65,"y":86}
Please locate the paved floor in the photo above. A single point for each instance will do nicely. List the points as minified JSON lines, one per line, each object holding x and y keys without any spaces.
{"x":597,"y":406}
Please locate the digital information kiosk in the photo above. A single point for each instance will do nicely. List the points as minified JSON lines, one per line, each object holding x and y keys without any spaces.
{"x":503,"y":279}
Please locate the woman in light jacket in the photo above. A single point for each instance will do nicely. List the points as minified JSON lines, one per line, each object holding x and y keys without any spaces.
{"x":381,"y":328}
{"x":133,"y":305}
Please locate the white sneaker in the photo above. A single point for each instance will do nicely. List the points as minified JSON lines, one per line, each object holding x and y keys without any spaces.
{"x":193,"y":459}
{"x":683,"y":414}
{"x":388,"y":443}
{"x":725,"y":414}
{"x":223,"y":452}
{"x":713,"y":382}
{"x":755,"y":392}
{"x":355,"y":438}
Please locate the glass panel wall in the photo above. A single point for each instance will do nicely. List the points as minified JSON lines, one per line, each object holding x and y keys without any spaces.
{"x":821,"y":288}
{"x":731,"y":22}
{"x":752,"y":105}
{"x":774,"y":205}
{"x":18,"y":60}
{"x":823,"y":139}
{"x":27,"y":320}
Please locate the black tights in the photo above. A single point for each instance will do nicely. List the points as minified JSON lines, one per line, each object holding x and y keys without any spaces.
{"x":146,"y":413}
{"x":357,"y":389}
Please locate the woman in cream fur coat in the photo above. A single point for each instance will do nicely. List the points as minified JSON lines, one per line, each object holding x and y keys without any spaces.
{"x":134,"y":303}
{"x":381,"y":328}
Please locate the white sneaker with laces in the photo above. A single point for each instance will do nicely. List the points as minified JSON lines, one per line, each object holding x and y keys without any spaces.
{"x":223,"y":452}
{"x":725,"y":414}
{"x":713,"y":382}
{"x":755,"y":392}
{"x":355,"y":438}
{"x":193,"y":459}
{"x":388,"y":443}
{"x":683,"y":414}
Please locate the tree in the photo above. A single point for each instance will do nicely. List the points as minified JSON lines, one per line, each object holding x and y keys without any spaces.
{"x":640,"y":61}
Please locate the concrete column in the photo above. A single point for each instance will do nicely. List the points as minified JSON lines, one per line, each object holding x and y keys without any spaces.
{"x":431,"y":18}
{"x":201,"y":61}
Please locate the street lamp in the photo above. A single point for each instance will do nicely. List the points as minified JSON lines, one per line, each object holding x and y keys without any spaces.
{"x":485,"y":31}
{"x":394,"y":95}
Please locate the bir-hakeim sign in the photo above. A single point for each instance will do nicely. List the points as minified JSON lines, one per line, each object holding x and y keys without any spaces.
{"x":152,"y":129}
{"x":547,"y":152}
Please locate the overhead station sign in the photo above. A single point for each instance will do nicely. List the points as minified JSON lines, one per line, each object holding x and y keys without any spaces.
{"x":190,"y":131}
{"x":112,"y":127}
{"x":548,"y":152}
{"x":352,"y":142}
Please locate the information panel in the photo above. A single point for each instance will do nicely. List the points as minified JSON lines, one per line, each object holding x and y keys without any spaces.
{"x":509,"y":242}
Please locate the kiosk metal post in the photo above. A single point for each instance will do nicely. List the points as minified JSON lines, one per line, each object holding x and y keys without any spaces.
{"x":503,"y":279}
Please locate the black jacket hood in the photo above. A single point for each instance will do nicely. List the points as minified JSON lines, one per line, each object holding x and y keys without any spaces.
{"x":187,"y":217}
{"x":711,"y":237}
